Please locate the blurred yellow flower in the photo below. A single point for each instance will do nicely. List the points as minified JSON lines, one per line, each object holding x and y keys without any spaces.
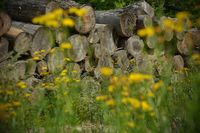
{"x":168,"y":23}
{"x":58,"y":12}
{"x":131,"y":124}
{"x":52,"y":23}
{"x":80,"y":12}
{"x":110,"y":102}
{"x":21,"y":85}
{"x":68,"y":22}
{"x":67,"y":59}
{"x":150,"y":94}
{"x":135,"y":103}
{"x":65,"y":45}
{"x":27,"y":95}
{"x":145,"y":106}
{"x":125,"y":93}
{"x":149,"y":32}
{"x":9,"y":92}
{"x":106,"y":71}
{"x":44,"y":68}
{"x":110,"y":88}
{"x":182,"y":15}
{"x":138,"y":77}
{"x":101,"y":98}
{"x":36,"y":58}
{"x":16,"y":103}
{"x":157,"y":85}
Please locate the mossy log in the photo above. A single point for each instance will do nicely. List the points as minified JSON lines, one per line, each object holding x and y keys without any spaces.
{"x":55,"y":60}
{"x":23,"y":42}
{"x":30,"y":67}
{"x":134,"y":45}
{"x":5,"y":23}
{"x":4,"y":45}
{"x":121,"y":60}
{"x":42,"y":40}
{"x":178,"y":62}
{"x":79,"y":47}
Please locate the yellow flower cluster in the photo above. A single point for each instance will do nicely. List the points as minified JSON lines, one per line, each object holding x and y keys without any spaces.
{"x":157,"y":85}
{"x":65,"y":45}
{"x":106,"y":71}
{"x":149,"y":32}
{"x":21,"y":85}
{"x":37,"y":54}
{"x":196,"y":58}
{"x":59,"y":17}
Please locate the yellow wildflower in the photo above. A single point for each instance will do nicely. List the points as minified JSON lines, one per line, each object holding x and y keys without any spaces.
{"x":58,"y":12}
{"x":131,"y":124}
{"x":110,"y":102}
{"x":110,"y":88}
{"x":145,"y":106}
{"x":36,"y":58}
{"x":42,"y":51}
{"x":80,"y":12}
{"x":141,"y":32}
{"x":101,"y":98}
{"x":168,"y":23}
{"x":149,"y":31}
{"x":65,"y":93}
{"x":68,"y":22}
{"x":125,"y":93}
{"x":36,"y":53}
{"x":178,"y":28}
{"x":138,"y":77}
{"x":157,"y":85}
{"x":63,"y":73}
{"x":9,"y":92}
{"x":134,"y":102}
{"x":182,"y":15}
{"x":150,"y":94}
{"x":16,"y":103}
{"x":52,"y":23}
{"x":67,"y":59}
{"x":73,"y":10}
{"x":106,"y":71}
{"x":49,"y":16}
{"x":21,"y":85}
{"x":27,"y":95}
{"x":65,"y":45}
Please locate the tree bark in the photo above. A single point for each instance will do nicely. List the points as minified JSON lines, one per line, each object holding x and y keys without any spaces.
{"x":4,"y":44}
{"x":5,"y":23}
{"x":26,"y":10}
{"x":23,"y":42}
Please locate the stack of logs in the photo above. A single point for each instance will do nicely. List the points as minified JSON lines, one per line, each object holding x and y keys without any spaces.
{"x":102,"y":38}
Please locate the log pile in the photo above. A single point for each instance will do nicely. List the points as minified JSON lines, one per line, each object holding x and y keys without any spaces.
{"x":101,"y":39}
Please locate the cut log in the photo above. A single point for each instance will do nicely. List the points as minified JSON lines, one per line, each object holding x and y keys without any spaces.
{"x":42,"y":40}
{"x":88,"y":66}
{"x":5,"y":23}
{"x":195,"y":37}
{"x":23,"y":42}
{"x":134,"y":46}
{"x":51,"y":6}
{"x":74,"y":70}
{"x":13,"y":32}
{"x":4,"y":44}
{"x":87,"y":22}
{"x":55,"y":60}
{"x":26,"y":10}
{"x":107,"y":40}
{"x":42,"y":67}
{"x":124,"y":23}
{"x":145,"y":63}
{"x":94,"y":34}
{"x":178,"y":62}
{"x":79,"y":47}
{"x":61,"y":36}
{"x":30,"y":67}
{"x":151,"y":42}
{"x":17,"y":71}
{"x":120,"y":58}
{"x":26,"y":27}
{"x":185,"y":46}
